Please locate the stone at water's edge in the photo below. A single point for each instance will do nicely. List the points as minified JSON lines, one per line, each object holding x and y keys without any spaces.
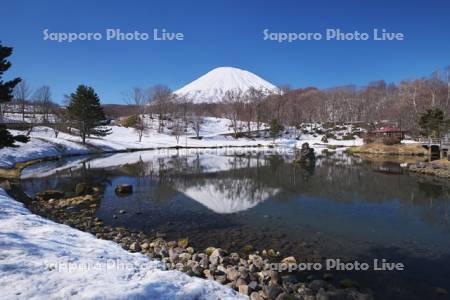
{"x":83,"y":188}
{"x":14,"y":190}
{"x":306,"y":155}
{"x":122,"y":189}
{"x":50,"y":194}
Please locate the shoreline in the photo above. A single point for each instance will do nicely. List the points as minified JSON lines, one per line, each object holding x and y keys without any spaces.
{"x":14,"y":172}
{"x":247,"y":273}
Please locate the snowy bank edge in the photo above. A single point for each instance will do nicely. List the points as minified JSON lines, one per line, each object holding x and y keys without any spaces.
{"x":29,"y":243}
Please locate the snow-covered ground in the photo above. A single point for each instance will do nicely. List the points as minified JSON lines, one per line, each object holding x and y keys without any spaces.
{"x":44,"y":144}
{"x":40,"y":259}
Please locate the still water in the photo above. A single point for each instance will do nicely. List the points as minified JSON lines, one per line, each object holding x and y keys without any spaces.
{"x":342,"y":207}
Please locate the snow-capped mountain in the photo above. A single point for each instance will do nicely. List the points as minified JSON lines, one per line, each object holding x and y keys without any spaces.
{"x":212,"y":86}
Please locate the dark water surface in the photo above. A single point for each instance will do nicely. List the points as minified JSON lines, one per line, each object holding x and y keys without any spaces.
{"x":343,"y":207}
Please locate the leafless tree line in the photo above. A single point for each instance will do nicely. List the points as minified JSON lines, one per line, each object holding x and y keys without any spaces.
{"x":399,"y":104}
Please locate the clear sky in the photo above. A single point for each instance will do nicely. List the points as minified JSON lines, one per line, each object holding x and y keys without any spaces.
{"x":222,"y":33}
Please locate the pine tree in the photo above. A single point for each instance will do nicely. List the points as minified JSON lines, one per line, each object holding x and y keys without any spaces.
{"x":86,"y":113}
{"x":6,"y":139}
{"x":433,"y":123}
{"x":275,"y":128}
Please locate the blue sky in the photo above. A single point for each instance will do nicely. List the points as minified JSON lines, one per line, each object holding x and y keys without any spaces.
{"x":222,"y":33}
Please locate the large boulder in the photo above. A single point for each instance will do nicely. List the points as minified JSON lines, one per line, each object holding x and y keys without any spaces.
{"x":124,"y":189}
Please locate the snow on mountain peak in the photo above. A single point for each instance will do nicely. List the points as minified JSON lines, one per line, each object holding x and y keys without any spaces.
{"x":212,"y":86}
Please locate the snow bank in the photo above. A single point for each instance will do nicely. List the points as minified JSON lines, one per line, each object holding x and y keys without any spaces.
{"x":41,"y":259}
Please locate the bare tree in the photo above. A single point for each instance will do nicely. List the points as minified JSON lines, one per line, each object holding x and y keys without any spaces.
{"x":234,"y":101}
{"x":43,"y":100}
{"x":59,"y":120}
{"x":22,"y":93}
{"x":177,"y":129}
{"x":161,"y":98}
{"x":197,"y":122}
{"x":139,"y":99}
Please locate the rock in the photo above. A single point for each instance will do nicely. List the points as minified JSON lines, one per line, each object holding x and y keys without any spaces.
{"x":83,"y":188}
{"x":243,"y":273}
{"x":306,"y":153}
{"x":16,"y":191}
{"x":50,"y":194}
{"x":282,"y":296}
{"x":248,"y":248}
{"x":122,"y":211}
{"x":184,"y":257}
{"x":253,"y":285}
{"x":241,"y":281}
{"x":255,"y":296}
{"x":74,"y":201}
{"x":145,"y":246}
{"x":221,"y":269}
{"x":234,"y":257}
{"x":322,"y":295}
{"x":271,"y":253}
{"x":243,"y":289}
{"x":183,"y":243}
{"x":123,"y":189}
{"x":135,"y":247}
{"x":204,"y":262}
{"x":272,"y":291}
{"x":208,"y":274}
{"x":289,"y":260}
{"x":274,"y":277}
{"x":173,"y":255}
{"x":220,"y":278}
{"x":209,"y":250}
{"x":217,"y":256}
{"x":232,"y":273}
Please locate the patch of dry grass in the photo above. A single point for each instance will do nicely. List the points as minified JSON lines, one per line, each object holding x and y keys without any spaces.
{"x":400,"y":149}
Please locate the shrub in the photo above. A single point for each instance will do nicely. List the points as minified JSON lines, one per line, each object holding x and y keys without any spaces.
{"x":131,"y":121}
{"x":22,"y":138}
{"x":391,"y":141}
{"x":6,"y":139}
{"x":348,"y":137}
{"x":275,"y":128}
{"x":368,"y":140}
{"x":319,"y":131}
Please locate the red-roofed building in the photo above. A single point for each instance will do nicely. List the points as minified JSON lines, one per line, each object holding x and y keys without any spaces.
{"x":388,"y":131}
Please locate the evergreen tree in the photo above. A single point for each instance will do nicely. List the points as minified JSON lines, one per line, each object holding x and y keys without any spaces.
{"x":433,"y":123}
{"x":6,"y":139}
{"x":275,"y":128}
{"x":86,"y":113}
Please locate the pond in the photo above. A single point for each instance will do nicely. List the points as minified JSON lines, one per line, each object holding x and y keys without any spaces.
{"x":342,"y":207}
